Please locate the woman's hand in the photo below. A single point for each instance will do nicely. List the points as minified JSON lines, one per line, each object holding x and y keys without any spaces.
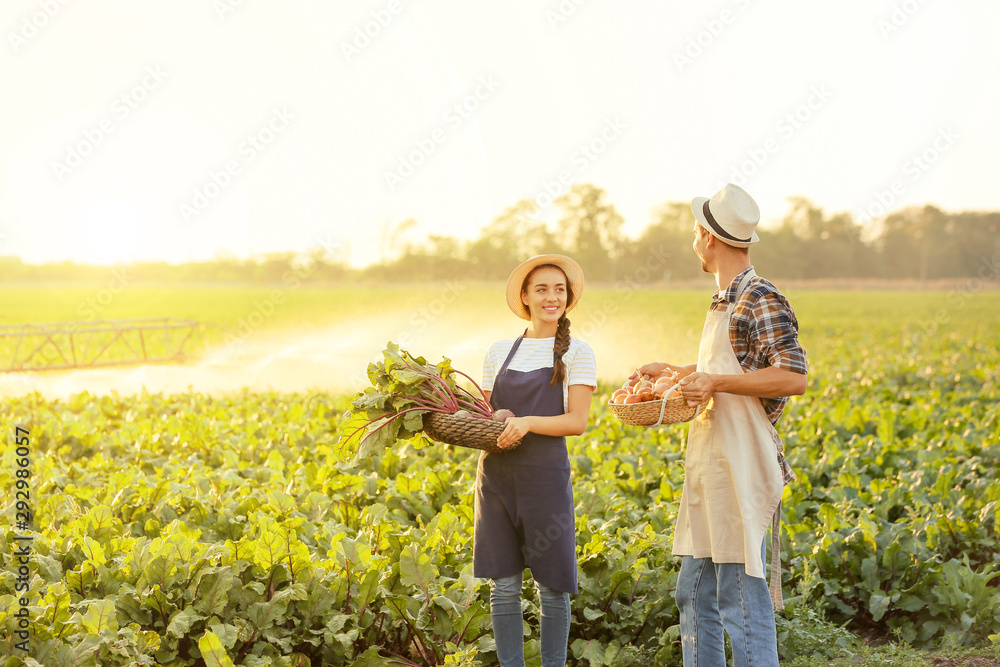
{"x":514,"y":429}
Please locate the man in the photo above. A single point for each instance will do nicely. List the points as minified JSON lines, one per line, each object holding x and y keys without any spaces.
{"x":749,"y":363}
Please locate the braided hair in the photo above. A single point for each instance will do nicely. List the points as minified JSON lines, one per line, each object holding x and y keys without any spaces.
{"x":562,"y":329}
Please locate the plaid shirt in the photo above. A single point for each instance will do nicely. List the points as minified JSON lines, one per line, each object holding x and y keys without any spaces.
{"x":764,"y":332}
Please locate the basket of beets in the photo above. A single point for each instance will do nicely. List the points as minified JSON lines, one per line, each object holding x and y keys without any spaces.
{"x":408,"y":397}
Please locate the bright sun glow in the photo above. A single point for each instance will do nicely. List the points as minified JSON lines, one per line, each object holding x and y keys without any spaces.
{"x":111,"y":229}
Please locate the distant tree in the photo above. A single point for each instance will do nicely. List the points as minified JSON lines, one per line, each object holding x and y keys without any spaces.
{"x":273,"y":267}
{"x":393,"y":241}
{"x":436,"y":258}
{"x":809,"y":244}
{"x":913,"y":243}
{"x":977,"y":238}
{"x":512,"y":237}
{"x":925,"y":243}
{"x":664,"y":246}
{"x":593,"y":226}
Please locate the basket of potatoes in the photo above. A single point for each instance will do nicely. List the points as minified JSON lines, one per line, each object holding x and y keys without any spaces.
{"x":643,"y":401}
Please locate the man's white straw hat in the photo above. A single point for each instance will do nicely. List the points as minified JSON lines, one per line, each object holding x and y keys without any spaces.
{"x":731,"y":215}
{"x":574,"y":274}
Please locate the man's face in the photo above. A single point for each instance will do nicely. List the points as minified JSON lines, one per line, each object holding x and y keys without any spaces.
{"x":700,"y":246}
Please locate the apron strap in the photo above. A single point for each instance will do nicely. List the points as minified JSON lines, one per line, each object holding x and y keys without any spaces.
{"x":510,"y":355}
{"x":742,"y":287}
{"x":513,"y":349}
{"x":775,"y":586}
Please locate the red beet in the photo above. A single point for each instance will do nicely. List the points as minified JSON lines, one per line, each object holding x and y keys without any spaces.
{"x":502,"y":415}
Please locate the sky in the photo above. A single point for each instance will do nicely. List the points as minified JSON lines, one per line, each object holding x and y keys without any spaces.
{"x":191,"y":129}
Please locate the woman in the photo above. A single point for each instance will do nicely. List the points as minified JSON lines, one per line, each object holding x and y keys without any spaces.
{"x":524,"y":500}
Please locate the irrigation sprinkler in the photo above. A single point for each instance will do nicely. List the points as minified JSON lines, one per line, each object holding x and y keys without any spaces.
{"x":93,"y":344}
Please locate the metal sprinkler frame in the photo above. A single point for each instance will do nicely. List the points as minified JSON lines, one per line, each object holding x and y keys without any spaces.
{"x":94,"y":344}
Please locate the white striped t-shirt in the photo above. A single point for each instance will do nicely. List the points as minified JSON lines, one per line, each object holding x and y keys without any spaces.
{"x":535,"y":353}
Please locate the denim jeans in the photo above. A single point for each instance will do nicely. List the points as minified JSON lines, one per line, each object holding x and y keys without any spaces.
{"x":716,"y":596}
{"x":508,"y":624}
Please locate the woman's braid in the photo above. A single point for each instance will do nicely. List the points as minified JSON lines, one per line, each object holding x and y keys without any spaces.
{"x":562,"y":345}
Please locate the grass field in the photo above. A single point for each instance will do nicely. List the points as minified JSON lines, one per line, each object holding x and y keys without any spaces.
{"x":217,"y":516}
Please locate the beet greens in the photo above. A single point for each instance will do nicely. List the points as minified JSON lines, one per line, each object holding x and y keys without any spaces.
{"x":404,"y":389}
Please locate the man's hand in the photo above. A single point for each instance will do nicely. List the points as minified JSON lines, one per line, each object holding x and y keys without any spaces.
{"x":697,"y":388}
{"x":657,"y":369}
{"x":651,"y":370}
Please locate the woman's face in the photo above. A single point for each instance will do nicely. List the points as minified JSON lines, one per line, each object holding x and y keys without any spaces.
{"x":545,"y":294}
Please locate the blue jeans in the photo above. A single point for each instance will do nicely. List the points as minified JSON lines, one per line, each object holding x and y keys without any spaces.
{"x":716,"y":596}
{"x":508,"y":624}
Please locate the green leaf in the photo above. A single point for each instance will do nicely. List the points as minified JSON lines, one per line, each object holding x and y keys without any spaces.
{"x":869,"y":529}
{"x":95,"y":553}
{"x":416,"y":569}
{"x":100,"y":616}
{"x":226,"y":632}
{"x":180,"y":624}
{"x":270,"y":548}
{"x":370,"y":658}
{"x":446,"y":603}
{"x":213,"y":652}
{"x":213,"y":591}
{"x":99,"y":520}
{"x":409,"y":377}
{"x":590,"y":650}
{"x":869,"y":571}
{"x":413,"y":422}
{"x":878,"y":605}
{"x":367,"y":590}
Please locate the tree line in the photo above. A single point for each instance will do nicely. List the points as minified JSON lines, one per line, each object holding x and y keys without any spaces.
{"x":916,"y":243}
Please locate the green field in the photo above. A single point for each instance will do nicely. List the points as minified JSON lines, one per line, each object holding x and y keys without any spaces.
{"x":204,"y":527}
{"x":626,"y":327}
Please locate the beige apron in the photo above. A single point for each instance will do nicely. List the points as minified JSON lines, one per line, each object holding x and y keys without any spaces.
{"x":732,"y":478}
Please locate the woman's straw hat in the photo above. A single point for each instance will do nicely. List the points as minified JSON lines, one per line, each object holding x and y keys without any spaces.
{"x":574,"y":274}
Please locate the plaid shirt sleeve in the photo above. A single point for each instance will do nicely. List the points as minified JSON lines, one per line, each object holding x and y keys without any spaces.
{"x":773,"y":334}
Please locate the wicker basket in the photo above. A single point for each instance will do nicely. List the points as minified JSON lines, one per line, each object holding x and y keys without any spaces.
{"x":472,"y":432}
{"x":653,"y":413}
